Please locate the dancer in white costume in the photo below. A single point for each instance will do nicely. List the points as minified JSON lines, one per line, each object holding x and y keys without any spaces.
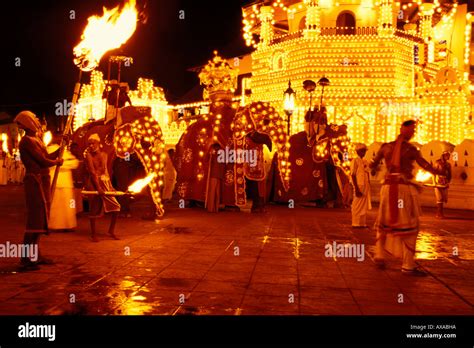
{"x":63,"y":207}
{"x":361,"y":202}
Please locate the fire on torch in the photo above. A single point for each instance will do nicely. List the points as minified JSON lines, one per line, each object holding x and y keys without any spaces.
{"x":135,"y":188}
{"x":102,"y":34}
{"x":4,"y":142}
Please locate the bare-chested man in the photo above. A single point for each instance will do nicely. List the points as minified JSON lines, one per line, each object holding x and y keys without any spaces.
{"x":96,"y":162}
{"x":397,"y":222}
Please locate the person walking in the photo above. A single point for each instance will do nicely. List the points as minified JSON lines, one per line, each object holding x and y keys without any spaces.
{"x":361,"y":202}
{"x":397,"y":223}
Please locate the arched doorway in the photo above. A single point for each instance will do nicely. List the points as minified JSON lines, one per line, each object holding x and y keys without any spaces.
{"x":345,"y":23}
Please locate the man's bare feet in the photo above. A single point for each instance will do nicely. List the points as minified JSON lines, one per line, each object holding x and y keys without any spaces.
{"x":94,"y":239}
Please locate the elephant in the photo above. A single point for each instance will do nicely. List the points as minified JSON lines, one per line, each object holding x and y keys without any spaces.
{"x":139,"y":136}
{"x":320,"y":158}
{"x":232,"y":128}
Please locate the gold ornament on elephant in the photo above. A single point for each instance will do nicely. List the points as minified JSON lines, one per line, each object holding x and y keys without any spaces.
{"x":218,"y":77}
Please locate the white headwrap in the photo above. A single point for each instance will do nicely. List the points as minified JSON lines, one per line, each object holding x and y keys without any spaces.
{"x":28,"y":120}
{"x":95,"y":137}
{"x":360,"y":147}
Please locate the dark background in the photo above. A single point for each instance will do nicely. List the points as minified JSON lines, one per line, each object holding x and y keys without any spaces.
{"x":163,"y":47}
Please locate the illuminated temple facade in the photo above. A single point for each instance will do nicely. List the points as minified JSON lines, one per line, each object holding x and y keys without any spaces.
{"x":386,"y":61}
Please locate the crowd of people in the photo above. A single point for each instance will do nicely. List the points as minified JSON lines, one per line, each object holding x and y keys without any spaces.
{"x":12,"y":170}
{"x":396,"y":225}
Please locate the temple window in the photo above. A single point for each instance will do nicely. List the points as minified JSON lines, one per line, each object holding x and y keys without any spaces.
{"x":346,"y":23}
{"x":278,"y":62}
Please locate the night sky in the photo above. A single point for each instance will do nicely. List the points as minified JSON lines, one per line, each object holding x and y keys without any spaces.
{"x":43,"y":36}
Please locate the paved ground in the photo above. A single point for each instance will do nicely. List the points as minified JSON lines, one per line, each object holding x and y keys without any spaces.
{"x":231,"y":263}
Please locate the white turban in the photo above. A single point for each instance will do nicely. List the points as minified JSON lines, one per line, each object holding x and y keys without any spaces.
{"x":360,"y":147}
{"x":95,"y":137}
{"x":28,"y":120}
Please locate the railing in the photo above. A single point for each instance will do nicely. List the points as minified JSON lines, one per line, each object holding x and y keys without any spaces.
{"x":346,"y":31}
{"x":405,"y":35}
{"x":287,"y":37}
{"x":349,"y":31}
{"x":328,"y":31}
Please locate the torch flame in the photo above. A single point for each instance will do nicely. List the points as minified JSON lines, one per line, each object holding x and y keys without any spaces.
{"x":105,"y":33}
{"x":138,"y":185}
{"x":47,"y":137}
{"x":5,"y":142}
{"x":422,"y":176}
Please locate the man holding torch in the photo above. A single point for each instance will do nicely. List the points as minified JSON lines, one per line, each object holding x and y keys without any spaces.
{"x":96,"y":163}
{"x":397,"y":221}
{"x":37,"y":161}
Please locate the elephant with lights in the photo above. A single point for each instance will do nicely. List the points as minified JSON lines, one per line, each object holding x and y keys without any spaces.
{"x":138,"y":136}
{"x":232,"y":128}
{"x":320,"y":163}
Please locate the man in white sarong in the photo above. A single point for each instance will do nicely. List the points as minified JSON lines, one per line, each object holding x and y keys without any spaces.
{"x":361,"y":202}
{"x":63,"y":207}
{"x":397,"y":222}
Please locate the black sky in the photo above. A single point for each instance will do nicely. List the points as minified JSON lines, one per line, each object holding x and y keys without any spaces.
{"x":43,"y":36}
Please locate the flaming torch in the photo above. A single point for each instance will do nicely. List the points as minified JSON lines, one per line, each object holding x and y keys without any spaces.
{"x":5,"y":143}
{"x":47,"y":138}
{"x":422,"y":176}
{"x":138,"y":185}
{"x":135,"y":188}
{"x":102,"y":34}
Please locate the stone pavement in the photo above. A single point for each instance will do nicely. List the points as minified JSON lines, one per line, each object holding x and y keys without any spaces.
{"x":193,"y":262}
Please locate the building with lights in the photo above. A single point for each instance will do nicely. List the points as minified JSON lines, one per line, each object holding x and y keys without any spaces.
{"x":92,"y":107}
{"x":386,"y":61}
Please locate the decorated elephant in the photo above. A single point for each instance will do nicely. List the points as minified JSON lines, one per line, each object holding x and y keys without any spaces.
{"x":210,"y":156}
{"x":139,"y":135}
{"x":320,"y":160}
{"x":237,"y":131}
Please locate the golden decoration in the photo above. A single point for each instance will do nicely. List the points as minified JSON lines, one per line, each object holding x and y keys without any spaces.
{"x":218,"y":75}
